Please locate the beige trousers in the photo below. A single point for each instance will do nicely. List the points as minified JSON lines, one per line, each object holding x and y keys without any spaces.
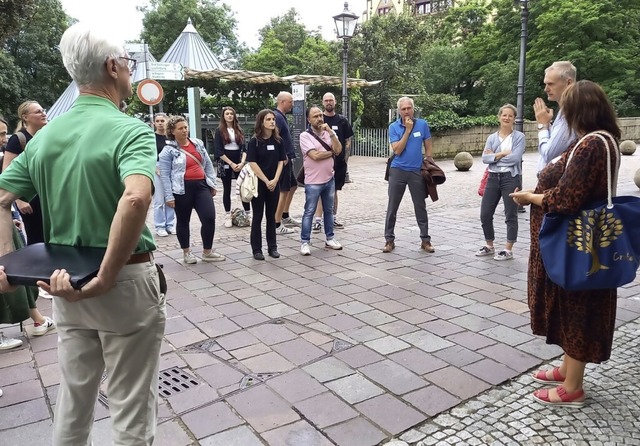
{"x":120,"y":331}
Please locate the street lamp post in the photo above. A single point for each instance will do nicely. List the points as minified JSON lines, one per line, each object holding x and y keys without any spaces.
{"x":345,"y":28}
{"x":524,"y":19}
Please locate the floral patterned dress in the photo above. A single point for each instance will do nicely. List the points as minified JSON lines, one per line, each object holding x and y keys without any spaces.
{"x":580,"y":322}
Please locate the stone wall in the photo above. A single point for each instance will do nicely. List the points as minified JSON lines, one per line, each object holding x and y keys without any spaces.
{"x":472,"y":140}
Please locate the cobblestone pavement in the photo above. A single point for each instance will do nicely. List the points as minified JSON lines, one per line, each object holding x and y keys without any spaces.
{"x":354,"y":347}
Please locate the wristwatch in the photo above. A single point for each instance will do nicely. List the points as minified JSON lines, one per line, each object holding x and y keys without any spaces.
{"x":541,"y":126}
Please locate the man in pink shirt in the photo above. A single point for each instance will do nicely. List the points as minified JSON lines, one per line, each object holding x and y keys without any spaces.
{"x":319,"y":144}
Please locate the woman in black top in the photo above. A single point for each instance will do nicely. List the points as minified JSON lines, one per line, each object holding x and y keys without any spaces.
{"x":32,"y":119}
{"x":265,"y":155}
{"x":229,"y":146}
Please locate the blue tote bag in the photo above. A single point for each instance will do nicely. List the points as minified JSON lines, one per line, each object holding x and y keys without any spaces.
{"x":597,"y":248}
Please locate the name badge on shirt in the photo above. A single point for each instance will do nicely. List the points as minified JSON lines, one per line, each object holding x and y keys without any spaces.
{"x":271,"y":147}
{"x":334,"y":127}
{"x":417,"y":134}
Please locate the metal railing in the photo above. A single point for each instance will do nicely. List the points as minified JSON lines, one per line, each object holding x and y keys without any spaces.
{"x":371,"y":142}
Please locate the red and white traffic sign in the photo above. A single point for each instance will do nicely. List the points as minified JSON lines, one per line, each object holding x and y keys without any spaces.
{"x":150,"y":92}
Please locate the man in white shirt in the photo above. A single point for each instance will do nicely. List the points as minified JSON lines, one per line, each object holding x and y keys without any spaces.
{"x":553,"y":139}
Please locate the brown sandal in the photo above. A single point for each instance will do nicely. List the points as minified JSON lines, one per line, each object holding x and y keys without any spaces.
{"x":541,"y":376}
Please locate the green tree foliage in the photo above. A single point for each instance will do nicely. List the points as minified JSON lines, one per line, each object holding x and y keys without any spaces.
{"x":31,"y":67}
{"x":287,"y":47}
{"x":13,"y":14}
{"x":601,"y":38}
{"x":388,"y":48}
{"x":164,"y":20}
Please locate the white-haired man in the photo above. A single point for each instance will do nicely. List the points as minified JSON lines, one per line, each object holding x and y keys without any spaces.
{"x":107,"y":160}
{"x":553,"y":139}
{"x":407,"y":137}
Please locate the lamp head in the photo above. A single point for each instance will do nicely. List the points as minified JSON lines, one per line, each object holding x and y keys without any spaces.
{"x":345,"y":23}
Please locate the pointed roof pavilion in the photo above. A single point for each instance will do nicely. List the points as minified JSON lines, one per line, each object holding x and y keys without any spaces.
{"x":64,"y":102}
{"x":190,"y":50}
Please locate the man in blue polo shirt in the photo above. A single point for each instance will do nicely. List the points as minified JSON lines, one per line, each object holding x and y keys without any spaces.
{"x":407,"y":137}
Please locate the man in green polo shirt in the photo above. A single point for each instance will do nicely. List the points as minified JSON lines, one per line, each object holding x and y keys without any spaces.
{"x":93,"y":169}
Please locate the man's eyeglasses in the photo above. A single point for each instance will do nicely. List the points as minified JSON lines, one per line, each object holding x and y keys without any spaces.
{"x":131,"y":63}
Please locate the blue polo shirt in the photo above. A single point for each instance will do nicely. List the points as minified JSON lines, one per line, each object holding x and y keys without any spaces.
{"x":411,"y":157}
{"x":285,"y":134}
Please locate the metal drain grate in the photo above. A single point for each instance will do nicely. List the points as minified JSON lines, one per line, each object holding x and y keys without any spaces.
{"x":340,"y":345}
{"x":175,"y":380}
{"x":170,"y":382}
{"x":250,"y":380}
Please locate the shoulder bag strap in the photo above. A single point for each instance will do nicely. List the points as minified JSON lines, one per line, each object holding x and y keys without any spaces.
{"x":610,"y":181}
{"x":194,"y":158}
{"x":22,"y":139}
{"x":324,"y":144}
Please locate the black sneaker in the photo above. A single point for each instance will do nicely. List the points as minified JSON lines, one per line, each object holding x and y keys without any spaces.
{"x":316,"y":227}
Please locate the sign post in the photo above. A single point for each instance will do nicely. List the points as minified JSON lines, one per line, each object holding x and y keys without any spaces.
{"x":298,"y":91}
{"x":166,"y":71}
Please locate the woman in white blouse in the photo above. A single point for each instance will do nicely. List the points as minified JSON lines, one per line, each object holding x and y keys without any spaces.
{"x":230,"y":147}
{"x":503,"y":153}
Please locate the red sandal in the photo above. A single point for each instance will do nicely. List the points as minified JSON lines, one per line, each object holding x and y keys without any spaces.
{"x":573,"y":399}
{"x":541,"y":376}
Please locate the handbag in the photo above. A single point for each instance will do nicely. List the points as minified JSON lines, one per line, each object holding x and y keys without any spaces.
{"x":597,"y":248}
{"x":220,"y":170}
{"x":483,"y":182}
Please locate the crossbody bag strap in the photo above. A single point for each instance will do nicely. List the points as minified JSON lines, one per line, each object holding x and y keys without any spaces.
{"x":194,"y":158}
{"x":324,"y":144}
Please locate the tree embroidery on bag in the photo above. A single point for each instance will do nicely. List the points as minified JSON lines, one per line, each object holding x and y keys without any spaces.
{"x":591,"y":230}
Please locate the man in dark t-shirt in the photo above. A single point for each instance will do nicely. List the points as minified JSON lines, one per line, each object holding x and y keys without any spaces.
{"x":340,"y":125}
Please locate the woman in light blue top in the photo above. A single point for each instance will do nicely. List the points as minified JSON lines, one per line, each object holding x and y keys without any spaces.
{"x":503,"y":153}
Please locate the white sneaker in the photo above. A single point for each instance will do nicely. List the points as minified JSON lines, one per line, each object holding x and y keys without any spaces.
{"x":227,"y":221}
{"x":305,"y":249}
{"x":503,"y":255}
{"x":290,"y":221}
{"x":190,"y":259}
{"x":43,"y":294}
{"x":213,"y":257}
{"x":485,"y":251}
{"x":332,"y":244}
{"x":1,"y":392}
{"x":162,"y":232}
{"x":44,"y":328}
{"x":8,"y":343}
{"x":282,"y":230}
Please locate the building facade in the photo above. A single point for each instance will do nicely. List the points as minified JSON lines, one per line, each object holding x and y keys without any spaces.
{"x":416,"y":7}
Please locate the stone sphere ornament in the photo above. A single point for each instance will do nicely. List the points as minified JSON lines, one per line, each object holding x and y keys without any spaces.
{"x":628,"y":147}
{"x":463,"y":161}
{"x":636,"y":178}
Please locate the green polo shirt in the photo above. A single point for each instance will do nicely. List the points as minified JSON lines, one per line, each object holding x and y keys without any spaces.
{"x":77,"y":165}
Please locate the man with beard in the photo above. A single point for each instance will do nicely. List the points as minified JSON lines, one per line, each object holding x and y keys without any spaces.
{"x":319,"y":146}
{"x":340,"y":125}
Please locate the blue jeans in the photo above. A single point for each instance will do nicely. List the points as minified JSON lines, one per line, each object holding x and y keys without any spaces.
{"x":314,"y":192}
{"x":164,"y":217}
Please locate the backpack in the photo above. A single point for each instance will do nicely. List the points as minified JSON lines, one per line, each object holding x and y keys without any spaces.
{"x":240,"y":218}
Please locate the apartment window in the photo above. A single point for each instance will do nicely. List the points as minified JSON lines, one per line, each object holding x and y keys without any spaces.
{"x":423,"y":7}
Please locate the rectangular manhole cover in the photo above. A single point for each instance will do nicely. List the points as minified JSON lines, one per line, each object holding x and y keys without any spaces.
{"x":175,"y":380}
{"x":170,"y":382}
